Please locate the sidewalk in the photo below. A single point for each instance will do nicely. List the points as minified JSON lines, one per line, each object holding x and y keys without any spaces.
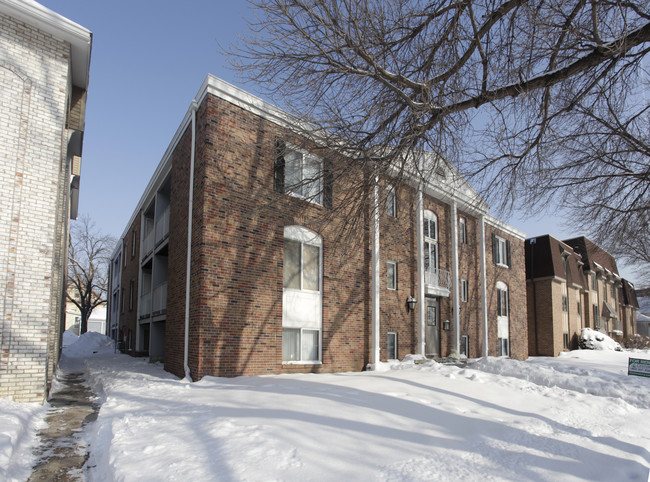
{"x":62,"y":452}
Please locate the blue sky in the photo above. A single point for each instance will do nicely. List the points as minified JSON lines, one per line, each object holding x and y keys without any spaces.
{"x":148,"y":61}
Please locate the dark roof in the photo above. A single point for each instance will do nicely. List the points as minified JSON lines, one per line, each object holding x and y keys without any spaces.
{"x":544,"y":258}
{"x":592,"y":253}
{"x":629,"y":294}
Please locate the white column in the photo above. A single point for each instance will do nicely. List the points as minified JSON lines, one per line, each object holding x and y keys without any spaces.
{"x":454,"y":270}
{"x":375,"y":274}
{"x":419,"y":221}
{"x":483,"y":285}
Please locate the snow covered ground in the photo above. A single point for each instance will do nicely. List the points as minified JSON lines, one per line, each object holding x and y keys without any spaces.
{"x":576,"y":417}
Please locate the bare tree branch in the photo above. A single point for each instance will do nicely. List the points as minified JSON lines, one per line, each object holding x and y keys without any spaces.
{"x":88,"y":261}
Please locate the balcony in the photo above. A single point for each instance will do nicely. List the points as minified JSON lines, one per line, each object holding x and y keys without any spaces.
{"x":437,"y":282}
{"x":147,"y":246}
{"x":162,"y":226}
{"x":160,"y":299}
{"x":144,"y":307}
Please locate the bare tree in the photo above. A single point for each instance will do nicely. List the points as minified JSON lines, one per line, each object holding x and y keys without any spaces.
{"x":88,"y":263}
{"x":531,"y":99}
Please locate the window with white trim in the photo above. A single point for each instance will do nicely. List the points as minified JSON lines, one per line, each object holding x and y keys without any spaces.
{"x":503,"y":324}
{"x":390,"y":201}
{"x":302,"y":174}
{"x":464,"y":345}
{"x":430,"y":241}
{"x":464,"y":290}
{"x":391,"y":346}
{"x":391,"y":275}
{"x":302,"y":297}
{"x":501,"y":250}
{"x":462,"y":230}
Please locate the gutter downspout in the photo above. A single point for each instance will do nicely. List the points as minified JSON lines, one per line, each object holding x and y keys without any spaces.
{"x":419,"y":213}
{"x":454,"y":266}
{"x":484,"y":309}
{"x":375,"y":273}
{"x":193,"y":107}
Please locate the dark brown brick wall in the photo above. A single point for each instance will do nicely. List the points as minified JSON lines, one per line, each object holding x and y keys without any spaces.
{"x":130,"y":272}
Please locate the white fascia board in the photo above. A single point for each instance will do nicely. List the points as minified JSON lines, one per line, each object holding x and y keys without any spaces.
{"x":60,"y":27}
{"x":496,"y":223}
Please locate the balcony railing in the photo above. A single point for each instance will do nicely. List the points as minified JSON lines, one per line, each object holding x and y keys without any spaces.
{"x":162,"y":226}
{"x":148,"y":244}
{"x":437,"y":281}
{"x":144,"y":306}
{"x":160,"y":298}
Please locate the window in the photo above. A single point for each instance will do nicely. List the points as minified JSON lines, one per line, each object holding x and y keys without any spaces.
{"x":392,"y":346}
{"x":301,"y":266}
{"x":464,"y":290}
{"x":579,"y":310}
{"x":462,"y":230}
{"x":300,"y":344}
{"x":594,"y":282}
{"x":500,"y":250}
{"x":123,"y":298}
{"x":503,"y":325}
{"x":390,"y":201}
{"x":133,"y":241}
{"x":131,"y":294}
{"x":596,"y":317}
{"x":464,"y":345}
{"x":430,"y":241}
{"x":302,"y":174}
{"x":125,"y":250}
{"x":502,"y":301}
{"x":613,"y":291}
{"x":391,"y":275}
{"x":301,"y":297}
{"x":565,"y":304}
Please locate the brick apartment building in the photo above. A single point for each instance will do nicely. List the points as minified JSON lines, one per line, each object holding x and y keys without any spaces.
{"x":273,"y":286}
{"x":574,"y":284}
{"x":44,"y":65}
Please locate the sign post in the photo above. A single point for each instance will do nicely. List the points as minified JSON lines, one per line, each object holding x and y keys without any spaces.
{"x":638,"y":367}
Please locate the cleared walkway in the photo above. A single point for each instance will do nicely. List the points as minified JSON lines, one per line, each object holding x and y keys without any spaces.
{"x":62,"y":453}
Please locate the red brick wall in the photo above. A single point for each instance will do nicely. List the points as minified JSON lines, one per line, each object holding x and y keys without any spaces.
{"x":237,"y":260}
{"x":236,"y":315}
{"x":515,"y":278}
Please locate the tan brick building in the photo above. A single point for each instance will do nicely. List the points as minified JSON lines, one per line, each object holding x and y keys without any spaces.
{"x":273,"y":286}
{"x":574,"y":284}
{"x":44,"y":65}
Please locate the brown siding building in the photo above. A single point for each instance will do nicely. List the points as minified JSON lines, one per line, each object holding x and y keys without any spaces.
{"x":574,"y":284}
{"x":280,"y":279}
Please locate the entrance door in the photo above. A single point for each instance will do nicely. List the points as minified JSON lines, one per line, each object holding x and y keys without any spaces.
{"x":432,"y":330}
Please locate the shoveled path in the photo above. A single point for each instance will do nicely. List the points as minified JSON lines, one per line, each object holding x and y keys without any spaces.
{"x":62,"y":453}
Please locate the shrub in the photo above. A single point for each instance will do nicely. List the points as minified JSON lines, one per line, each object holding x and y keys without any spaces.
{"x":636,"y":341}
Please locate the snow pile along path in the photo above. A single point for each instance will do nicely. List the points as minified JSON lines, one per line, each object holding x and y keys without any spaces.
{"x":19,"y":423}
{"x":408,"y":422}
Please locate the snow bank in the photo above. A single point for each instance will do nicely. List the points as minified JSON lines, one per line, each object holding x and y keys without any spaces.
{"x":89,"y":343}
{"x":595,"y":340}
{"x":19,"y":423}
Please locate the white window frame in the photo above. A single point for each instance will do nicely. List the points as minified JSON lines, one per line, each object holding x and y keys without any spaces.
{"x":464,"y":290}
{"x":430,"y":238}
{"x":462,"y":230}
{"x":391,"y":202}
{"x":298,"y":190}
{"x":391,"y":280}
{"x":501,"y":251}
{"x":464,"y":345}
{"x":296,"y":301}
{"x":503,"y":319}
{"x":388,"y":353}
